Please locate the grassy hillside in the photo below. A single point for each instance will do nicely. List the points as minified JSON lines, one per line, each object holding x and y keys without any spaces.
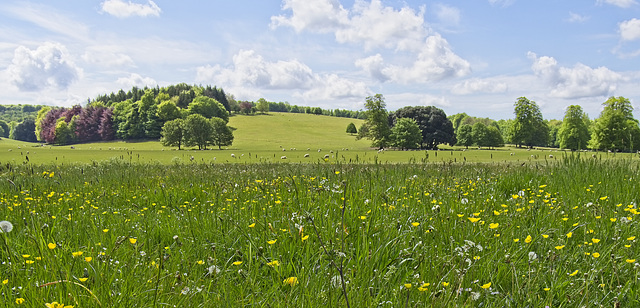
{"x":262,"y":138}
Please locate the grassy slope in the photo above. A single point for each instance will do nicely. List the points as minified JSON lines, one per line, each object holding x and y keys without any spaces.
{"x":261,"y":138}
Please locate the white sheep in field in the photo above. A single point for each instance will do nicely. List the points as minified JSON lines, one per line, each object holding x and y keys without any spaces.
{"x":283,"y":157}
{"x":306,"y":155}
{"x":233,"y":155}
{"x":511,"y":154}
{"x":326,"y":156}
{"x":550,"y":156}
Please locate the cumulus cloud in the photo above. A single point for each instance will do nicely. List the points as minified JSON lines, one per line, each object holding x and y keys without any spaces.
{"x":477,"y":85}
{"x":435,"y":62}
{"x":375,"y":25}
{"x":122,"y":9}
{"x":135,"y":80}
{"x":320,"y":16}
{"x":502,"y":3}
{"x":576,"y":82}
{"x":619,"y":3}
{"x":368,"y":23}
{"x":630,"y":29}
{"x":48,"y":66}
{"x":252,"y":71}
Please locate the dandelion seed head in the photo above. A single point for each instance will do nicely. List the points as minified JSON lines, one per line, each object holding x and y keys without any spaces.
{"x":5,"y":226}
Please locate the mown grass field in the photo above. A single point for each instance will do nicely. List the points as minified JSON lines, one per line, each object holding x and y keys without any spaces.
{"x":262,"y":138}
{"x":119,"y":234}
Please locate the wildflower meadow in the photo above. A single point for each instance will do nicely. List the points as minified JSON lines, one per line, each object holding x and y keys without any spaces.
{"x":560,"y":233}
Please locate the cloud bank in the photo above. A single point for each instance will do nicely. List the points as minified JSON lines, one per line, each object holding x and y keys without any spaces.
{"x":48,"y":66}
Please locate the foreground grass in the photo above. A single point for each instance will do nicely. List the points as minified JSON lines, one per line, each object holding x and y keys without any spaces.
{"x":560,"y":233}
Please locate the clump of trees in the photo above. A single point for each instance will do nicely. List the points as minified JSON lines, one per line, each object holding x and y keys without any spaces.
{"x":205,"y":119}
{"x":406,"y":128}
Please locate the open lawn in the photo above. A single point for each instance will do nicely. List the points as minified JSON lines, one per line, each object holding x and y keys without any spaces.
{"x":262,"y":138}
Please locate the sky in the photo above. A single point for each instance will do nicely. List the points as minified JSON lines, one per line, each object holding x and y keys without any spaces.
{"x":475,"y":56}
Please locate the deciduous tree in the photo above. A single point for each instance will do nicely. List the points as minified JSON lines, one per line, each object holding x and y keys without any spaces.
{"x":616,"y":129}
{"x":574,"y":131}
{"x":529,"y":127}
{"x":376,"y":127}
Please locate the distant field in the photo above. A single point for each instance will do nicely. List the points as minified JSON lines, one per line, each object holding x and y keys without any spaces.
{"x":269,"y":138}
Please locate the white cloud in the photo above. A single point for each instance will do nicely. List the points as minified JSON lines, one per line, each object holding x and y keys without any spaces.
{"x":375,"y":25}
{"x":137,"y":81}
{"x":435,"y":62}
{"x":251,"y":72}
{"x":448,"y":15}
{"x":577,"y":18}
{"x":630,"y":29}
{"x":330,"y":86}
{"x":368,"y":23}
{"x":619,"y":3}
{"x":48,"y":66}
{"x":50,"y":19}
{"x":477,"y":85}
{"x":319,"y":16}
{"x":107,"y":56}
{"x":577,"y":82}
{"x":122,"y":9}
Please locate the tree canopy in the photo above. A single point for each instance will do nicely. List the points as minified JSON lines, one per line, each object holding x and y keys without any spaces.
{"x":574,"y":131}
{"x":376,"y":127}
{"x":616,"y":129}
{"x":529,"y":127}
{"x":436,"y":128}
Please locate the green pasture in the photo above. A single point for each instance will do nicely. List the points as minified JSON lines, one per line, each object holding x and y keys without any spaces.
{"x":558,"y":233}
{"x":275,"y":137}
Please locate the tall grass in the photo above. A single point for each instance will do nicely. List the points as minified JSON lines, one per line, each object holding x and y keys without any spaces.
{"x":556,"y":233}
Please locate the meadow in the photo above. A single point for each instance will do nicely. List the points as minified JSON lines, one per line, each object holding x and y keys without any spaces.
{"x":558,"y":233}
{"x":136,"y":224}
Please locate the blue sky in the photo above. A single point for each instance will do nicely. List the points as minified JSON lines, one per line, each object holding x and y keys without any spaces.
{"x":476,"y":56}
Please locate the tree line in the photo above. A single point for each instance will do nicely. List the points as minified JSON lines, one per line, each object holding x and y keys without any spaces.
{"x":426,"y":127}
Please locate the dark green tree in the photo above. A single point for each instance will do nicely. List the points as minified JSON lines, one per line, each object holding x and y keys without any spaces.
{"x":574,"y":131}
{"x":173,"y":133}
{"x":616,"y":129}
{"x":494,"y":137}
{"x":351,"y":129}
{"x":25,"y":131}
{"x":529,"y":127}
{"x":433,"y":122}
{"x":5,"y":129}
{"x":376,"y":127}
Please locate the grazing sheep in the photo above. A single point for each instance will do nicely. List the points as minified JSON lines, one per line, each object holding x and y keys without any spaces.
{"x":550,"y":156}
{"x":326,"y":156}
{"x":233,"y":155}
{"x":283,"y":149}
{"x":306,"y":155}
{"x":283,"y":157}
{"x":511,"y":154}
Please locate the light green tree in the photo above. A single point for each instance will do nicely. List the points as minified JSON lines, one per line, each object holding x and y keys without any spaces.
{"x":465,"y":135}
{"x":529,"y":127}
{"x":198,"y":131}
{"x":173,"y":133}
{"x":222,"y":134}
{"x":376,"y":127}
{"x":262,"y":105}
{"x":406,"y":134}
{"x":574,"y":131}
{"x":616,"y":129}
